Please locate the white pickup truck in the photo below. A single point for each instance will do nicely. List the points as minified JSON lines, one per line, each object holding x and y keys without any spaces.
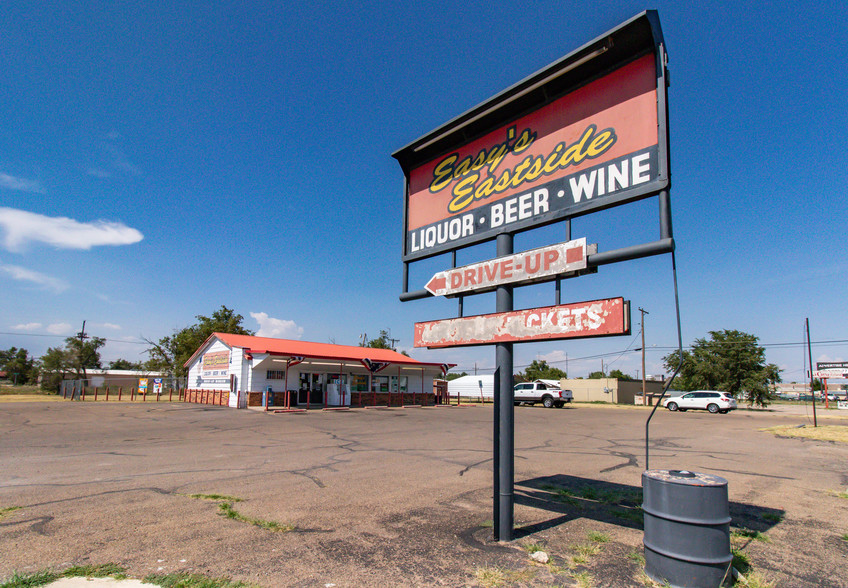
{"x":549,"y":395}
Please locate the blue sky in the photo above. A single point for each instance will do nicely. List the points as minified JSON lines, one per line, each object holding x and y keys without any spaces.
{"x":157,"y":162}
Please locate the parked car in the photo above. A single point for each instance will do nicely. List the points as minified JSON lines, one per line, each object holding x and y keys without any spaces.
{"x":710,"y":400}
{"x":548,"y":395}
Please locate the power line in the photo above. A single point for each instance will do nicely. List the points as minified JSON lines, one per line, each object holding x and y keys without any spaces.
{"x":71,"y":337}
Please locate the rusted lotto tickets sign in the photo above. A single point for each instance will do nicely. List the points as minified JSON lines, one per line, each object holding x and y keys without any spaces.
{"x":527,"y":267}
{"x":599,"y":143}
{"x":568,"y":321}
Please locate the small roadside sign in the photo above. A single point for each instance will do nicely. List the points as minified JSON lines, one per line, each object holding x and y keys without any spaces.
{"x":528,"y":267}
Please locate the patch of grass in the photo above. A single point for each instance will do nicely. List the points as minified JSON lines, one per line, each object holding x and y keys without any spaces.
{"x":23,"y":389}
{"x":95,"y":571}
{"x":228,"y":511}
{"x":598,"y":537}
{"x":495,"y":577}
{"x":838,"y":494}
{"x":743,"y":533}
{"x":223,"y":497}
{"x":820,"y":433}
{"x":629,"y":514}
{"x":532,"y":547}
{"x":757,"y":580}
{"x":45,"y":577}
{"x":30,"y":580}
{"x":740,"y":561}
{"x":586,"y":550}
{"x":584,"y":579}
{"x":772,"y":517}
{"x":187,"y":580}
{"x":844,"y":537}
{"x":488,"y":524}
{"x":636,"y":557}
{"x":490,"y":577}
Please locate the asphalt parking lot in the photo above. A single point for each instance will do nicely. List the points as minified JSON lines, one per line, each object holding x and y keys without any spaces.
{"x":377,"y":497}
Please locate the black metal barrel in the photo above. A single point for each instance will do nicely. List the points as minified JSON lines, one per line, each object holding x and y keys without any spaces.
{"x":687,"y":528}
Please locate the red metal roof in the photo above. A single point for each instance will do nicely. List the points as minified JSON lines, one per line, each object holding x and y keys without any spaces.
{"x":309,"y":350}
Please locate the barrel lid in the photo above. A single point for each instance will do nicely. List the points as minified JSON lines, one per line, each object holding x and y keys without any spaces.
{"x":685,"y":477}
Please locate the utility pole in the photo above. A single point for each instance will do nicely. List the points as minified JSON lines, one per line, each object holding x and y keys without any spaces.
{"x":82,"y":337}
{"x":644,"y":312}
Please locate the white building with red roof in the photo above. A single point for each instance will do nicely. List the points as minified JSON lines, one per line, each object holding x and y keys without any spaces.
{"x":282,"y":372}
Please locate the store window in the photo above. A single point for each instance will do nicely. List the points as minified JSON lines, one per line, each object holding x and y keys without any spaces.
{"x":403,"y":381}
{"x":380,"y":384}
{"x":275,"y":375}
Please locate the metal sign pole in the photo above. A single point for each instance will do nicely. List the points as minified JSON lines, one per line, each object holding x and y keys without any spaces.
{"x":505,"y":415}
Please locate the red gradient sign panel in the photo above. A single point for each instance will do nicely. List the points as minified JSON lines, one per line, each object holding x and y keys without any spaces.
{"x":596,"y":145}
{"x":596,"y":318}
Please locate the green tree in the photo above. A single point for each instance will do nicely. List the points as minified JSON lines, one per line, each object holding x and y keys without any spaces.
{"x":730,"y":361}
{"x":19,"y":367}
{"x":84,"y":354}
{"x":539,"y":370}
{"x":599,"y":375}
{"x":54,"y":366}
{"x":450,"y":377}
{"x":125,"y":364}
{"x":170,"y":353}
{"x":381,"y":342}
{"x":620,"y":375}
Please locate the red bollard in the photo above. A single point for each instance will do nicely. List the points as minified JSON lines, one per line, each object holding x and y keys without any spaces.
{"x":170,"y":394}
{"x":95,"y":394}
{"x":120,"y":389}
{"x":107,"y":393}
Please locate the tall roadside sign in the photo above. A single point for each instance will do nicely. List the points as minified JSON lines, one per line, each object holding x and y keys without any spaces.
{"x":584,"y":134}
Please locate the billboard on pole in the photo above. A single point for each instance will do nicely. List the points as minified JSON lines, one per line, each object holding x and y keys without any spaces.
{"x":597,"y":140}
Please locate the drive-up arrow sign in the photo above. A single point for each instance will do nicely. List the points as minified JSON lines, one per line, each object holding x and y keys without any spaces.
{"x":530,"y":266}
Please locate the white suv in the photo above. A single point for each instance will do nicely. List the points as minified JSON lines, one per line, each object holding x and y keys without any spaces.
{"x":710,"y":400}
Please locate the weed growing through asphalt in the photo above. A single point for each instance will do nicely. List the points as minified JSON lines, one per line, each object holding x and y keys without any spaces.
{"x":598,"y":537}
{"x":844,"y":537}
{"x":187,"y":580}
{"x":225,"y":509}
{"x":839,"y":494}
{"x":228,"y":511}
{"x":223,"y":497}
{"x":7,"y":510}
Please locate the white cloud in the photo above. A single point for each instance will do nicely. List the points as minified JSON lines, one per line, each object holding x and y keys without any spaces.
{"x":112,"y":326}
{"x":43,"y":281}
{"x":22,"y":227}
{"x":21,"y":184}
{"x":28,"y":327}
{"x":273,"y":327}
{"x":60,"y":329}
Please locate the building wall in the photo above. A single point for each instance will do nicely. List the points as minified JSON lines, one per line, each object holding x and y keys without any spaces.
{"x":608,"y":390}
{"x":196,"y":379}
